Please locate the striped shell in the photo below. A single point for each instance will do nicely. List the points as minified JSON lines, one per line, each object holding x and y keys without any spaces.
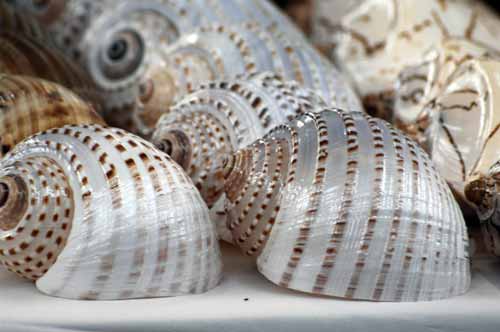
{"x":221,"y":117}
{"x":218,"y":52}
{"x":30,"y":105}
{"x":123,"y":61}
{"x":419,"y":85}
{"x":93,"y":212}
{"x":374,"y":40}
{"x":341,"y":204}
{"x":29,"y":54}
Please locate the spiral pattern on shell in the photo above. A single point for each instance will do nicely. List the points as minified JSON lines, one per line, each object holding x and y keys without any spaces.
{"x":342,"y":204}
{"x":29,"y":105}
{"x":221,"y":117}
{"x":374,"y":40}
{"x":92,"y":212}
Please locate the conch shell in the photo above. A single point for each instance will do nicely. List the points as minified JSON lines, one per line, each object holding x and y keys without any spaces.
{"x":374,"y":40}
{"x":223,"y":116}
{"x":29,"y":105}
{"x":341,"y":204}
{"x":92,"y":212}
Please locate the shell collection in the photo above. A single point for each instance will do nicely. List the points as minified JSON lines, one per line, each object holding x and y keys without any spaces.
{"x":374,"y":40}
{"x":140,"y":80}
{"x":248,"y":134}
{"x":92,"y":212}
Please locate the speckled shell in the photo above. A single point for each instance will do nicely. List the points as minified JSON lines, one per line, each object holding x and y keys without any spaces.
{"x":374,"y":40}
{"x":218,"y":52}
{"x":29,"y":105}
{"x":93,"y":212}
{"x":124,"y":60}
{"x":419,"y":85}
{"x":221,"y":117}
{"x":341,"y":204}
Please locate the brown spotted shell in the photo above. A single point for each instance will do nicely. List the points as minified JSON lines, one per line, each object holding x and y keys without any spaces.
{"x":93,"y":212}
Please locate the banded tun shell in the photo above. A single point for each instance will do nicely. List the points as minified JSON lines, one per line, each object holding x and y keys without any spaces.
{"x":341,"y":204}
{"x":374,"y":40}
{"x":221,"y":117}
{"x":30,"y":105}
{"x":92,"y":212}
{"x":222,"y":52}
{"x":419,"y":85}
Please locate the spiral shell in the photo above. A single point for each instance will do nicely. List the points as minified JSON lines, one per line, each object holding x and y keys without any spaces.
{"x":221,"y":52}
{"x":29,"y":105}
{"x":341,"y":204}
{"x":221,"y":117}
{"x":419,"y":85}
{"x":374,"y":40}
{"x":92,"y":212}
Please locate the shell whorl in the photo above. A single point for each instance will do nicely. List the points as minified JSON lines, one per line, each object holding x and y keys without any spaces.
{"x":128,"y":232}
{"x":374,"y":40}
{"x":29,"y":105}
{"x":222,"y":116}
{"x":341,"y":204}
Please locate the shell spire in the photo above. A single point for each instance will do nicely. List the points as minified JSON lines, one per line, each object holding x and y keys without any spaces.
{"x":92,"y":212}
{"x":341,"y":204}
{"x":223,"y":116}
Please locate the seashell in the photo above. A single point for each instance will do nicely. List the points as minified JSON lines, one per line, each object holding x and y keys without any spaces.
{"x":341,"y":204}
{"x":221,"y":117}
{"x":374,"y":40}
{"x":124,"y":62}
{"x":224,"y":52}
{"x":24,"y":50}
{"x":420,"y":84}
{"x":92,"y":212}
{"x":30,"y":105}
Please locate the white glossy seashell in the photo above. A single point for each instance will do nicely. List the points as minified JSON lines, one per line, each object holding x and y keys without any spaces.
{"x":341,"y":204}
{"x":373,"y":40}
{"x":221,"y":117}
{"x":420,"y":84}
{"x":93,"y":212}
{"x":30,"y":105}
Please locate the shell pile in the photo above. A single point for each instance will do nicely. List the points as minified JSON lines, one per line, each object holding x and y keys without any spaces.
{"x":248,"y":134}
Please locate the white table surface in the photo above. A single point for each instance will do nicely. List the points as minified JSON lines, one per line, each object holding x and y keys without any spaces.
{"x":246,"y":301}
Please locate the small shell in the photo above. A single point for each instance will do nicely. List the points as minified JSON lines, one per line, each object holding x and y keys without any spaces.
{"x":374,"y":40}
{"x":343,"y":205}
{"x":419,"y":85}
{"x":93,"y":212}
{"x":221,"y":117}
{"x":29,"y":105}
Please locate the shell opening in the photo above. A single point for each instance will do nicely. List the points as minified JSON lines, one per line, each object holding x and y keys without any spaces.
{"x":13,"y":202}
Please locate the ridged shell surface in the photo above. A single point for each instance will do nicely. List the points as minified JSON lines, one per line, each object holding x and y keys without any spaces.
{"x":92,"y":212}
{"x":222,"y":52}
{"x":341,"y":204}
{"x":217,"y":119}
{"x":374,"y":40}
{"x":30,"y":105}
{"x":123,"y":60}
